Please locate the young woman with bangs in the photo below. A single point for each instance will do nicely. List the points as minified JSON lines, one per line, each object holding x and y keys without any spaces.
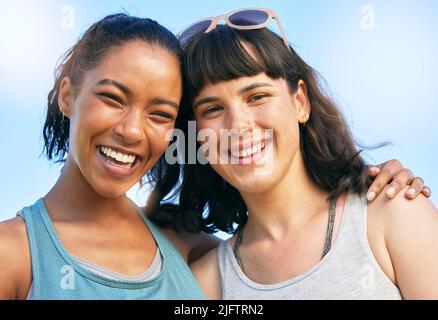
{"x":305,"y":229}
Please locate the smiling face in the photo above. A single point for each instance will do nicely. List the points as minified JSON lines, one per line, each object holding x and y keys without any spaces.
{"x":252,"y":105}
{"x":121,"y":114}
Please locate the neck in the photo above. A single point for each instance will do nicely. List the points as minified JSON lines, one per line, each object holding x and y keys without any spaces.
{"x":289,"y":206}
{"x":73,"y":198}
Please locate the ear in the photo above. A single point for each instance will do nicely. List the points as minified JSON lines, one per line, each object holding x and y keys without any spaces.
{"x":301,"y":102}
{"x":65,"y":97}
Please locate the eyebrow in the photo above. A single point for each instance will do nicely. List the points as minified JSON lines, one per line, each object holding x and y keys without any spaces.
{"x":111,"y":82}
{"x":126,"y":91}
{"x":254,"y":86}
{"x":165,"y":101}
{"x":241,"y":91}
{"x":205,"y":100}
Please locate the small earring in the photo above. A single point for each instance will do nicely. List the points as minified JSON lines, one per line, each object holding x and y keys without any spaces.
{"x":306,"y":118}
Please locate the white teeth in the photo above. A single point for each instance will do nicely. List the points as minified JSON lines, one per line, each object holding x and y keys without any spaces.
{"x":121,"y":157}
{"x":248,"y":151}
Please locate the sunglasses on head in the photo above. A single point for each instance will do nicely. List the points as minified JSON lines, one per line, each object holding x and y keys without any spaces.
{"x":242,"y":19}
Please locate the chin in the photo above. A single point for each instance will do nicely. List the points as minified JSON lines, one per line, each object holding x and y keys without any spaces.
{"x":112,"y":194}
{"x":111,"y":191}
{"x":254,"y":185}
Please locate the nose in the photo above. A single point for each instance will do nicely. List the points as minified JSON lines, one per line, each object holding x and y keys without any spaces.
{"x":131,"y":128}
{"x":241,"y":119}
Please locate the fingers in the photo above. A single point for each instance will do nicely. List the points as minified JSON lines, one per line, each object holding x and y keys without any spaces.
{"x":373,"y":171}
{"x":387,"y":172}
{"x":393,"y":189}
{"x":415,"y":188}
{"x":401,"y":180}
{"x":426,"y":191}
{"x":393,"y":175}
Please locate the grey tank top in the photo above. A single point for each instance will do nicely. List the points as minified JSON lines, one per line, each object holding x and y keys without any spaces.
{"x":349,"y":271}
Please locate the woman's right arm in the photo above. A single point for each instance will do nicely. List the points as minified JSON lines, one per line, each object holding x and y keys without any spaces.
{"x":15,"y":266}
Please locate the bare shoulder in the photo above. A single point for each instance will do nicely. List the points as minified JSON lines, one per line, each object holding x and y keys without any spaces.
{"x":400,"y":216}
{"x":206,"y":263}
{"x":206,"y":271}
{"x":410,"y":233}
{"x":13,"y":239}
{"x":15,"y":266}
{"x":399,"y":211}
{"x":191,"y":245}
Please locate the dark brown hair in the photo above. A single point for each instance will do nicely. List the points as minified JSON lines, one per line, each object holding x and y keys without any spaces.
{"x":111,"y":31}
{"x":207,"y":202}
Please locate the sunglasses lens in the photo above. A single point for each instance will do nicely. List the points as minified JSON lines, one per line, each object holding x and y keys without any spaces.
{"x":199,"y":27}
{"x":248,"y":18}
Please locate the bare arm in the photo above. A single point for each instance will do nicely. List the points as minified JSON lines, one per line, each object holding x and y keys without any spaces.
{"x":411,"y":238}
{"x":15,"y":266}
{"x":206,"y":271}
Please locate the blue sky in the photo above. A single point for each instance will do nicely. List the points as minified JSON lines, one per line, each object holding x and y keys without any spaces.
{"x":378,"y":57}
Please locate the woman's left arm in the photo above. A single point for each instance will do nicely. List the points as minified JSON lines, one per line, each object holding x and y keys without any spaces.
{"x":392,"y":173}
{"x":411,"y":239}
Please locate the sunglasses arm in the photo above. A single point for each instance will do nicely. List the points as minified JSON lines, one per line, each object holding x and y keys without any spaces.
{"x":283,"y":35}
{"x":214,"y":22}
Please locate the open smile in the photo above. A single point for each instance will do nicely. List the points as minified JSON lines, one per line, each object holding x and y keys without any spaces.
{"x":118,"y":162}
{"x":251,"y":154}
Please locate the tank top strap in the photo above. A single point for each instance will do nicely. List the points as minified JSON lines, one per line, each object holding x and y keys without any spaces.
{"x":45,"y":257}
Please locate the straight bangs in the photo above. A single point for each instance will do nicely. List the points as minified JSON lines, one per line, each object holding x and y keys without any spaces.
{"x":222,"y":55}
